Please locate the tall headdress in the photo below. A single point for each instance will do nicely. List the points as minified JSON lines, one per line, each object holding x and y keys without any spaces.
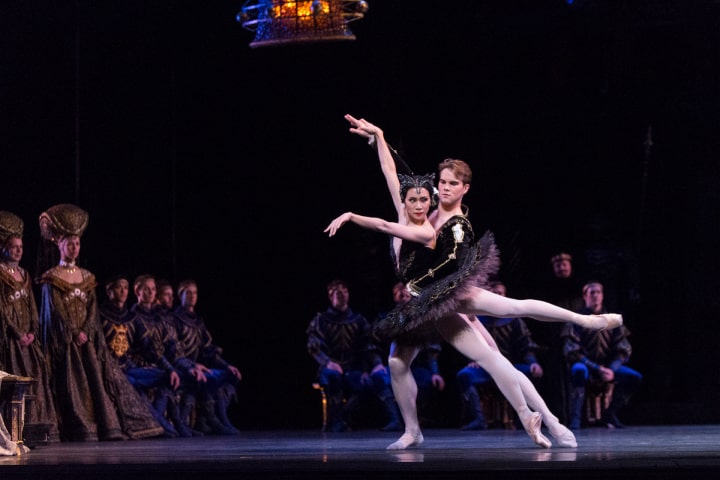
{"x":62,"y":220}
{"x":10,"y":224}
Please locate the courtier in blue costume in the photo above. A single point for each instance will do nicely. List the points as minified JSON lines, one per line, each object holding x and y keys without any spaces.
{"x":215,"y":379}
{"x":124,"y":336}
{"x":121,"y":334}
{"x":601,"y":355}
{"x":349,"y":366}
{"x":20,"y":349}
{"x":154,"y":353}
{"x":94,"y":399}
{"x":451,"y":287}
{"x":156,"y":332}
{"x":118,"y":321}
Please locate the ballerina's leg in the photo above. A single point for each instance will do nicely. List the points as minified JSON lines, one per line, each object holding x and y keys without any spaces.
{"x":560,"y":432}
{"x":405,"y":390}
{"x":484,"y":302}
{"x":460,"y":332}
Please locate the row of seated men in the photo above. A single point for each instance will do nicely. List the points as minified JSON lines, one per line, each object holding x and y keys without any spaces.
{"x":169,"y":356}
{"x":352,"y":367}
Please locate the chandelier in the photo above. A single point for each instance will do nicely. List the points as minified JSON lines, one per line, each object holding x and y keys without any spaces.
{"x":281,"y":22}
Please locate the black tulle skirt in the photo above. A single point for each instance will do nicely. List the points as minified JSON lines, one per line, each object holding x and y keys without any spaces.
{"x":412,"y":322}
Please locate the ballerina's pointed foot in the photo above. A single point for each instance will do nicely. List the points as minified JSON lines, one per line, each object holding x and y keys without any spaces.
{"x":406,"y":441}
{"x":564,"y":437}
{"x":533,"y":424}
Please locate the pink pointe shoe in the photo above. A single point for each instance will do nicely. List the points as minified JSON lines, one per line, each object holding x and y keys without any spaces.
{"x":564,"y":437}
{"x":532,"y":425}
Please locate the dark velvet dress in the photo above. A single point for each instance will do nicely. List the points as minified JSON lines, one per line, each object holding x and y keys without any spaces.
{"x":438,"y":278}
{"x":19,"y":316}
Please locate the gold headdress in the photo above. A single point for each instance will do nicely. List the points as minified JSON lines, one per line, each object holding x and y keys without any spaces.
{"x":62,"y":220}
{"x":10,"y":224}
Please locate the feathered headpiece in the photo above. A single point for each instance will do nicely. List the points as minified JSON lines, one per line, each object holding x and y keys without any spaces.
{"x":417,"y":181}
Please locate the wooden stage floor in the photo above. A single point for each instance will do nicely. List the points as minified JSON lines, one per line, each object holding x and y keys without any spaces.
{"x":689,"y":452}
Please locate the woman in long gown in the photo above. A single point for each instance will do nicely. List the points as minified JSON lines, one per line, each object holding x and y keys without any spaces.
{"x":20,"y":350}
{"x":94,"y":399}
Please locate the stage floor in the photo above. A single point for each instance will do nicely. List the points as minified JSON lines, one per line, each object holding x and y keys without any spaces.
{"x":688,"y":452}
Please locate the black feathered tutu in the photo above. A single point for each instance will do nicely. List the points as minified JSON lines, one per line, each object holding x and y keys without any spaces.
{"x":442,"y":296}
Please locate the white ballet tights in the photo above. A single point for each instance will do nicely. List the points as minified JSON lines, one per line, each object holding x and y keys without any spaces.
{"x":468,"y":340}
{"x":532,"y":397}
{"x":405,"y":391}
{"x":562,"y":434}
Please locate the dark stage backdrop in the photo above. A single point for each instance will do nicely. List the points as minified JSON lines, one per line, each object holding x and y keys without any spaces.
{"x":198,"y":156}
